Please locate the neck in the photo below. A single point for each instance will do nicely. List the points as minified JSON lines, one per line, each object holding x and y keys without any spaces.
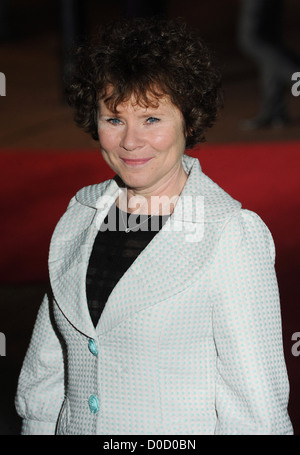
{"x":158,"y":201}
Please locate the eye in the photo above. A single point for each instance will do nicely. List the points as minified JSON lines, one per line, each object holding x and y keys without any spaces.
{"x":114,"y":121}
{"x":152,"y":120}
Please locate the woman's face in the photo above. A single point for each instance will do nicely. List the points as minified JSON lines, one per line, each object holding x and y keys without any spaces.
{"x":142,"y":145}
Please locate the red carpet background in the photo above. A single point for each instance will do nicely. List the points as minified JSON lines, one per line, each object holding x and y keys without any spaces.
{"x":37,"y":186}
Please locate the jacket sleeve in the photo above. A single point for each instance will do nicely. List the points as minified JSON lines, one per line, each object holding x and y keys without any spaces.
{"x":252,"y":388}
{"x":40,"y":391}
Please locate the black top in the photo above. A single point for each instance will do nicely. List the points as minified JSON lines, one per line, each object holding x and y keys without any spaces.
{"x":114,"y":251}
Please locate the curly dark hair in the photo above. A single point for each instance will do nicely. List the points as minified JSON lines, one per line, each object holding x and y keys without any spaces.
{"x":145,"y":57}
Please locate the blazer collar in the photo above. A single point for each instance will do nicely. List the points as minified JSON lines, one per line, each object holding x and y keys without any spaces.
{"x":169,"y":264}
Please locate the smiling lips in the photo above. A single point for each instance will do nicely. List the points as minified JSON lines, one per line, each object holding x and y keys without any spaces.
{"x":137,"y":162}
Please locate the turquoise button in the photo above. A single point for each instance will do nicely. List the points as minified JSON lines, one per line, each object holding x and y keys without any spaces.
{"x":94,"y":404}
{"x":92,"y":347}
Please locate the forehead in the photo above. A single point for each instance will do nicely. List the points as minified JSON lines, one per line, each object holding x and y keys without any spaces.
{"x":162,"y":104}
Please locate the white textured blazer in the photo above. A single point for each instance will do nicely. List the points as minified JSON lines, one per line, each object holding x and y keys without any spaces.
{"x":189,"y":341}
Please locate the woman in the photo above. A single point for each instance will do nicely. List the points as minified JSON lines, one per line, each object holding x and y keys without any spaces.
{"x":164,"y":315}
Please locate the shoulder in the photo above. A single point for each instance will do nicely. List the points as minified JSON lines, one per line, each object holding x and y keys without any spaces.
{"x":89,"y":195}
{"x":217,"y":203}
{"x":246,"y":232}
{"x":81,"y":210}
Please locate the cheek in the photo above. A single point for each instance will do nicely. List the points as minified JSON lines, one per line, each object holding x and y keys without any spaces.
{"x":107,"y":140}
{"x":171,"y":139}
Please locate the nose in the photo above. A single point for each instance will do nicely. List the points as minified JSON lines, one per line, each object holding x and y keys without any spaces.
{"x":131,"y":139}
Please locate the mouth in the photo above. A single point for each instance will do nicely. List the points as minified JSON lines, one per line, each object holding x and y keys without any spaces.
{"x":136,"y":163}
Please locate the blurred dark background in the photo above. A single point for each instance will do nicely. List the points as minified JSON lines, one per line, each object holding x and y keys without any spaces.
{"x":35,"y":38}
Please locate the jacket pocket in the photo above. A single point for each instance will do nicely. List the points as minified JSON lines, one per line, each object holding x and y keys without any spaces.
{"x":64,"y":418}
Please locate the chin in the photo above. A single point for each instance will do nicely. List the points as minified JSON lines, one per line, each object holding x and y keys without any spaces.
{"x":136,"y":183}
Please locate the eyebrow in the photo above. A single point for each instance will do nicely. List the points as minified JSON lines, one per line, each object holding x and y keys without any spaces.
{"x":151,"y":110}
{"x":141,"y":116}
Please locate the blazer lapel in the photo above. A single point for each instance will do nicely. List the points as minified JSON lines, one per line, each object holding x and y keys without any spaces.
{"x":70,"y":250}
